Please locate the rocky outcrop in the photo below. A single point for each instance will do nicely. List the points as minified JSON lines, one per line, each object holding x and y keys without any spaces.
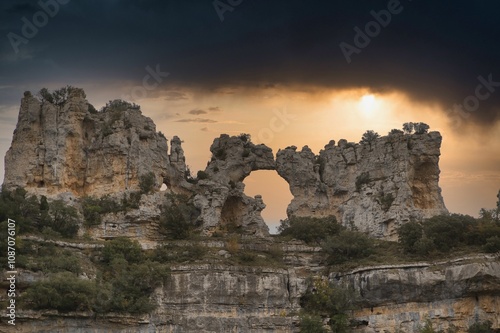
{"x":455,"y":293}
{"x":374,"y":187}
{"x":220,"y":189}
{"x":68,"y":147}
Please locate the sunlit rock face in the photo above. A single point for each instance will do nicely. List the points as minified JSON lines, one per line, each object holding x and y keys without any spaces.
{"x":67,"y":148}
{"x":374,"y":187}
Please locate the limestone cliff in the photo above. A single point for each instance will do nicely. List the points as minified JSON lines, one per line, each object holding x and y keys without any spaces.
{"x":453,"y":293}
{"x":220,"y":196}
{"x":68,"y":147}
{"x":374,"y":187}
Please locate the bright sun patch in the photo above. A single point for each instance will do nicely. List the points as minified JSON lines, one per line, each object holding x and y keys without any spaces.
{"x":368,"y":104}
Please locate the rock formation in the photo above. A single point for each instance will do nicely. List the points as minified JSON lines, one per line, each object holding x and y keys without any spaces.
{"x":374,"y":187}
{"x":66,"y":147}
{"x":220,"y":196}
{"x":451,"y":293}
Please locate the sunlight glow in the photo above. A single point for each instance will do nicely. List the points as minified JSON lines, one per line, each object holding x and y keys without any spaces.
{"x":368,"y":104}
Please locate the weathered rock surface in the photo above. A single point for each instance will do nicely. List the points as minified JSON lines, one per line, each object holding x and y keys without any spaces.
{"x":457,"y":293}
{"x":375,"y":187}
{"x":220,"y":298}
{"x":66,"y":148}
{"x":220,"y":197}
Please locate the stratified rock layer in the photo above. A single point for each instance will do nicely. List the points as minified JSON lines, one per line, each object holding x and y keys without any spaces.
{"x":374,"y":187}
{"x":450,"y":294}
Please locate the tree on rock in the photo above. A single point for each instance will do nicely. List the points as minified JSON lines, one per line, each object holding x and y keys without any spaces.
{"x":369,"y":136}
{"x":408,"y":128}
{"x":421,"y":128}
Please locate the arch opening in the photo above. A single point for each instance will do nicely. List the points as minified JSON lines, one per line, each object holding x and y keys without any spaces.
{"x":275,"y":193}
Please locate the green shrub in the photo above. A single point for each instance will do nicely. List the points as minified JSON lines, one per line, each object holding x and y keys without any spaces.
{"x":60,"y":218}
{"x":147,"y":182}
{"x":311,"y":324}
{"x":51,"y":259}
{"x":427,"y":327}
{"x":310,"y":229}
{"x":369,"y":137}
{"x":492,"y":245}
{"x":63,"y":292}
{"x":17,"y":206}
{"x":171,"y":253}
{"x":395,"y":131}
{"x":362,"y":179}
{"x":409,"y":234}
{"x":132,"y":284}
{"x":119,"y":105}
{"x":245,"y":257}
{"x":385,"y":201}
{"x":177,"y":216}
{"x":91,"y":108}
{"x":483,"y":327}
{"x":92,"y":211}
{"x":347,"y":245}
{"x":324,"y":299}
{"x":122,"y":247}
{"x":448,"y":231}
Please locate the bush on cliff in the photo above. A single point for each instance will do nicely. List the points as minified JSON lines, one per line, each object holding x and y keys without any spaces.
{"x":61,"y":291}
{"x":177,"y":216}
{"x":481,"y":327}
{"x":312,"y":230}
{"x":147,"y":182}
{"x":443,"y":233}
{"x":324,"y":299}
{"x":17,"y":206}
{"x":60,"y":218}
{"x":347,"y":245}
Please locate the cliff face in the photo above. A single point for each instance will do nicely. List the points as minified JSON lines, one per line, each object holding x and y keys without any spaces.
{"x":66,"y":148}
{"x":450,"y":294}
{"x":375,"y":187}
{"x":220,"y":298}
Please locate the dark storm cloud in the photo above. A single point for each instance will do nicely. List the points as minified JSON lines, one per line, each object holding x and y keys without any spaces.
{"x":433,"y":50}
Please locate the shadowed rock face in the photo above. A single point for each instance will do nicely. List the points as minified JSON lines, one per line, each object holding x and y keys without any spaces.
{"x":374,"y":187}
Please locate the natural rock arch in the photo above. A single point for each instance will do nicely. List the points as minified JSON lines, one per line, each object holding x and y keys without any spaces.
{"x":275,"y":192}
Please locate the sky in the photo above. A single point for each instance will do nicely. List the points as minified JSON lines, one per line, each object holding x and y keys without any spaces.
{"x":287,"y":72}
